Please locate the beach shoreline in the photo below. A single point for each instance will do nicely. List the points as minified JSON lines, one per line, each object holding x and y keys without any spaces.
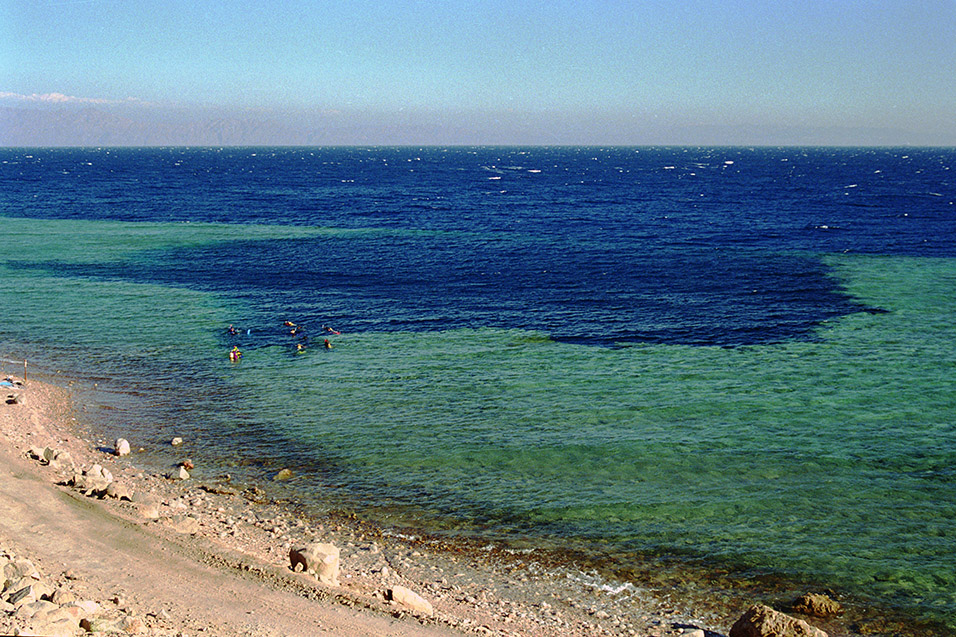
{"x":472,"y":588}
{"x":237,"y":543}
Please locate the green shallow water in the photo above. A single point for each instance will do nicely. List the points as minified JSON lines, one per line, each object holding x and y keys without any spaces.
{"x":830,"y":461}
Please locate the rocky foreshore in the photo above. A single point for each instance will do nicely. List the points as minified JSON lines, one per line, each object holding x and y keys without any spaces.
{"x":105,"y":547}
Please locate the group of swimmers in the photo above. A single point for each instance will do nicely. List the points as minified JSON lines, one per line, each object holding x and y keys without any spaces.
{"x":235,"y":355}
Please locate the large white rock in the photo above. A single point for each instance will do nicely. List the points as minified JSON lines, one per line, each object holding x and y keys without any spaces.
{"x":410,"y":599}
{"x":121,"y":447}
{"x":319,"y":558}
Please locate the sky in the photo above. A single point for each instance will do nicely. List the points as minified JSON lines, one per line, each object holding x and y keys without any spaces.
{"x":488,"y":71}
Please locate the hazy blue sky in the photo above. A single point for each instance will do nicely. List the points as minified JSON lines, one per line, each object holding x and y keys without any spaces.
{"x":609,"y":71}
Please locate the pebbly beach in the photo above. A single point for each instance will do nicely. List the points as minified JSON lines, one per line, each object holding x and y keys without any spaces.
{"x":91,"y":542}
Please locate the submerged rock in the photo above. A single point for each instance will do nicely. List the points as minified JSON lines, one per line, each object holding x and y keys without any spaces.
{"x":817,"y":605}
{"x":284,"y":474}
{"x":763,"y":621}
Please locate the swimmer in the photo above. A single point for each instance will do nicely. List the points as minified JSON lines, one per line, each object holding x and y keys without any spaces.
{"x":330,"y":330}
{"x":299,"y":348}
{"x":232,"y":330}
{"x":235,"y":355}
{"x":327,"y":344}
{"x":289,"y":324}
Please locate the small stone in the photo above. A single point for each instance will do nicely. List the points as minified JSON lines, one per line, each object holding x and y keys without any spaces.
{"x":88,"y":606}
{"x":185,"y":524}
{"x":62,"y":459}
{"x":118,"y":491}
{"x":121,"y":447}
{"x":62,"y":596}
{"x":187,"y":464}
{"x":132,"y":625}
{"x":148,"y":510}
{"x":176,"y":441}
{"x":179,"y":474}
{"x":98,"y":625}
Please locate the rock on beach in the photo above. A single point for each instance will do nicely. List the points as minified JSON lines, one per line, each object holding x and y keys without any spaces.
{"x":410,"y":599}
{"x":763,"y":621}
{"x":93,"y":481}
{"x":121,"y":447}
{"x":319,"y":558}
{"x":179,"y":473}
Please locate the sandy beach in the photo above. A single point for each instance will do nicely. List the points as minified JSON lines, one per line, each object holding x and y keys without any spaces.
{"x":155,"y":554}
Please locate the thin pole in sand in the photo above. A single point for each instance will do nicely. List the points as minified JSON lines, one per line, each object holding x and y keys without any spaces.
{"x":24,"y":371}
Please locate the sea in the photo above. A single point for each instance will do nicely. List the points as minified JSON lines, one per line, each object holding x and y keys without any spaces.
{"x":732,"y":369}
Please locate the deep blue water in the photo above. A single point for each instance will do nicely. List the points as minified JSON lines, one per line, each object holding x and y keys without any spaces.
{"x":602,"y":246}
{"x":738,"y":356}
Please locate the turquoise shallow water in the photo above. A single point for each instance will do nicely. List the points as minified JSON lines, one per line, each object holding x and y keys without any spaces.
{"x":827,"y":460}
